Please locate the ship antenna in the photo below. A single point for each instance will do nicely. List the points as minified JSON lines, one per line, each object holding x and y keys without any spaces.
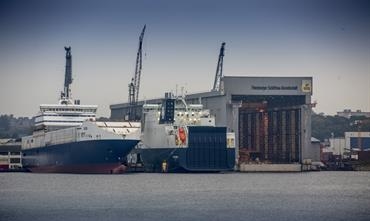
{"x":68,"y":74}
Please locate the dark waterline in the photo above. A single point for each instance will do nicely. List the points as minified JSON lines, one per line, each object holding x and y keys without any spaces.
{"x":235,"y":196}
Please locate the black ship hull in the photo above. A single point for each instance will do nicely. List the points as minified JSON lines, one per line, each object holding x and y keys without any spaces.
{"x":187,"y":159}
{"x":94,"y":156}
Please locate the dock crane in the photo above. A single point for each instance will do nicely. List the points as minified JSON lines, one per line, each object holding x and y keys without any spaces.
{"x":216,"y":84}
{"x":134,"y":86}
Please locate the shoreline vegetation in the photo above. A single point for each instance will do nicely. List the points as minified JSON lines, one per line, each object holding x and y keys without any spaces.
{"x":323,"y":126}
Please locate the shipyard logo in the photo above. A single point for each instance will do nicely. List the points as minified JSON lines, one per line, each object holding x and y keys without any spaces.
{"x":306,"y":86}
{"x":272,"y":87}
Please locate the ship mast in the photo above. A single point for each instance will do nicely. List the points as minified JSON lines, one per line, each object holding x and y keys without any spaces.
{"x":66,"y":95}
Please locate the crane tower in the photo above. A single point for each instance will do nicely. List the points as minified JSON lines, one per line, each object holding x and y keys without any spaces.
{"x":216,"y":84}
{"x":134,"y":86}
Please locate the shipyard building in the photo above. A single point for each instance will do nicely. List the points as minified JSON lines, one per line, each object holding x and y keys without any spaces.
{"x":270,"y":116}
{"x":10,"y":155}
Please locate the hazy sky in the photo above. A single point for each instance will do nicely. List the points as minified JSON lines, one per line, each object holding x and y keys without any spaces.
{"x":326,"y":39}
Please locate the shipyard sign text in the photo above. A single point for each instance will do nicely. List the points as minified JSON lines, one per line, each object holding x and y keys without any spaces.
{"x":274,"y":87}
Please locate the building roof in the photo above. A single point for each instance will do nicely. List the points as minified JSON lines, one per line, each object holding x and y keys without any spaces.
{"x":240,"y":85}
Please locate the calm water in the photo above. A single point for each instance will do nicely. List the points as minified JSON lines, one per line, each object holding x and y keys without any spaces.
{"x":234,"y":196}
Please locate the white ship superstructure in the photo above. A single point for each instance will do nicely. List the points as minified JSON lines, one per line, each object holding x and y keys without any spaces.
{"x":68,"y":112}
{"x":57,"y":116}
{"x":161,"y":131}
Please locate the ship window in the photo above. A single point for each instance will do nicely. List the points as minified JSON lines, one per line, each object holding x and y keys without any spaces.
{"x":4,"y":153}
{"x":15,"y":160}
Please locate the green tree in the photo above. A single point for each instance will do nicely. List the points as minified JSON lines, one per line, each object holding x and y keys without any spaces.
{"x":4,"y":122}
{"x":324,"y":126}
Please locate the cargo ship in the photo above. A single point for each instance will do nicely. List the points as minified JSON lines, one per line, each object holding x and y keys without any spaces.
{"x":92,"y":147}
{"x":67,"y":138}
{"x":181,"y":137}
